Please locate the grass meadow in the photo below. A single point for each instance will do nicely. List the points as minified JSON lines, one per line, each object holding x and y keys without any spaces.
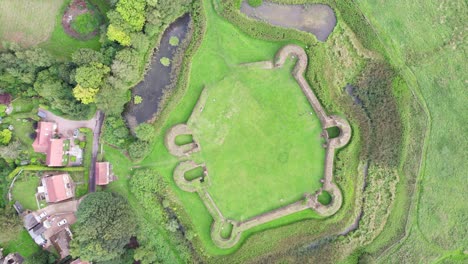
{"x":28,"y":22}
{"x":260,"y":140}
{"x":426,"y":40}
{"x":222,"y":49}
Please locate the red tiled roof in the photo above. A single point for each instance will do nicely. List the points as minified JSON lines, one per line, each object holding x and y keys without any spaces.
{"x":102,"y":172}
{"x":45,"y":130}
{"x":58,"y":188}
{"x":55,"y":153}
{"x":5,"y":99}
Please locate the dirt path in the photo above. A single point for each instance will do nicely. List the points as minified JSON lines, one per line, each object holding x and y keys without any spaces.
{"x":200,"y":185}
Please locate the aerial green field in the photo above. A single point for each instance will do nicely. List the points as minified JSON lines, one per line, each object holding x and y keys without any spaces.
{"x":28,"y":22}
{"x":258,"y":134}
{"x":225,"y":47}
{"x":31,"y":23}
{"x":434,"y":57}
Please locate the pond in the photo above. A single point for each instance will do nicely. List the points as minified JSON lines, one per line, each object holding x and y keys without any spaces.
{"x":318,"y":19}
{"x":159,"y":77}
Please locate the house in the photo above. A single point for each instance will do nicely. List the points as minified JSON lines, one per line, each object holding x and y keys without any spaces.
{"x":5,"y":99}
{"x":57,"y":188}
{"x":47,"y":144}
{"x":45,"y":131}
{"x":103,"y":173}
{"x":61,"y":242}
{"x":55,"y":153}
{"x":34,"y":228}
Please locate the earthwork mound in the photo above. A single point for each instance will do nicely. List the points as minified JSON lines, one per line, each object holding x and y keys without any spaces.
{"x":81,"y":20}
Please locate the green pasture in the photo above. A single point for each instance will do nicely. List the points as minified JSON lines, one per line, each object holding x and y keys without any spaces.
{"x":260,"y":140}
{"x":427,"y":42}
{"x":223,"y":49}
{"x":28,"y":22}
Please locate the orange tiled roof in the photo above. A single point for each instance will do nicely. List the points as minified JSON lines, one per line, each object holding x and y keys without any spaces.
{"x":102,"y":172}
{"x":55,"y":153}
{"x":45,"y":131}
{"x":58,"y":188}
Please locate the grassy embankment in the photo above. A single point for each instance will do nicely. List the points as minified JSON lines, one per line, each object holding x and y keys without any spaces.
{"x":428,"y":45}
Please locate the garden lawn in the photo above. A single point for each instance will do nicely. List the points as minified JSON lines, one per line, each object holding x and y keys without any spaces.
{"x":25,"y":189}
{"x":23,"y":244}
{"x":260,"y":140}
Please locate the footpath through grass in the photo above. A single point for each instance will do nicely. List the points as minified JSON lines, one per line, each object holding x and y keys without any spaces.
{"x":260,"y":140}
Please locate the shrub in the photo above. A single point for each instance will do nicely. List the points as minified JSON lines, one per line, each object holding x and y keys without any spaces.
{"x":138,"y":149}
{"x":85,"y":23}
{"x":144,"y":132}
{"x":174,"y":41}
{"x":255,"y":3}
{"x":165,"y":61}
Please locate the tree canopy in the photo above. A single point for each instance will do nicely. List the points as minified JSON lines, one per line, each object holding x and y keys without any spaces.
{"x":105,"y":223}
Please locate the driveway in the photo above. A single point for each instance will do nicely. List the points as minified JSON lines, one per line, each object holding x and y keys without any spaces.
{"x":66,"y":126}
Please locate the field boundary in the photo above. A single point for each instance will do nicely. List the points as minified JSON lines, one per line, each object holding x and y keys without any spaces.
{"x":200,"y":184}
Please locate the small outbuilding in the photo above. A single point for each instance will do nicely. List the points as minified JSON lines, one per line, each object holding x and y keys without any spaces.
{"x":103,"y":173}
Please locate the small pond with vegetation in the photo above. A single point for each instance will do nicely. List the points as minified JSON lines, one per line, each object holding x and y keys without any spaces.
{"x":160,"y":76}
{"x":318,"y":19}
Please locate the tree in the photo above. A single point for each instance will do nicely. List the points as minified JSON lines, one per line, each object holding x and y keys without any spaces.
{"x":86,"y":56}
{"x":42,"y":257}
{"x":144,"y":132}
{"x":5,"y":136}
{"x":105,"y":223}
{"x":133,"y":12}
{"x":115,"y":33}
{"x":91,"y":75}
{"x":85,"y":95}
{"x":111,"y":100}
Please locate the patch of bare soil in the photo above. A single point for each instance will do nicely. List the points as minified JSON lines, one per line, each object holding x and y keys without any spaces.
{"x":318,"y":19}
{"x":76,"y":8}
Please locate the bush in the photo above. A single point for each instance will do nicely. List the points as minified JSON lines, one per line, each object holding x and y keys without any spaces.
{"x":255,"y":3}
{"x":144,"y":132}
{"x":138,"y":149}
{"x":85,"y":23}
